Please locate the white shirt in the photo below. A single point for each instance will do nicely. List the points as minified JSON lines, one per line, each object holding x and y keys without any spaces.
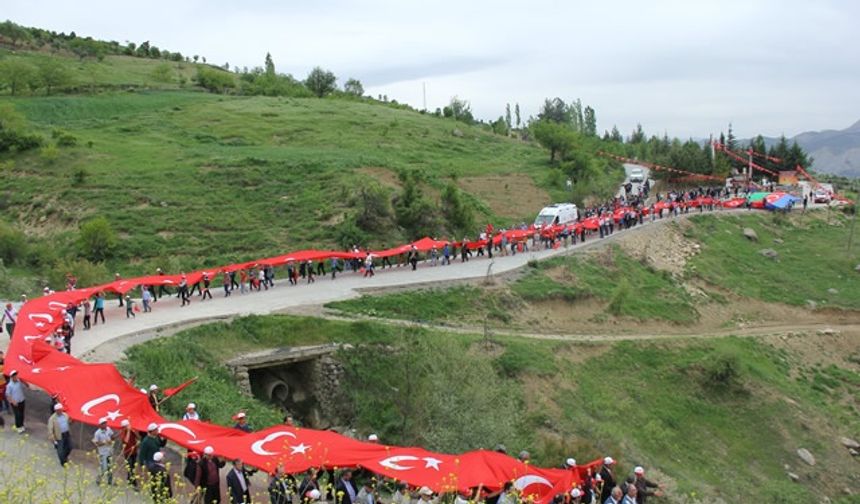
{"x":103,"y":436}
{"x":191,"y":416}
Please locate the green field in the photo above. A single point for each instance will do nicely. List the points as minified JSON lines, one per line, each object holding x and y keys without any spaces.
{"x":189,"y":179}
{"x":813,"y":258}
{"x":698,"y":412}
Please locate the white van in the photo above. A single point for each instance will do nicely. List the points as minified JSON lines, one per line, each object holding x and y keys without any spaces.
{"x":560,"y":213}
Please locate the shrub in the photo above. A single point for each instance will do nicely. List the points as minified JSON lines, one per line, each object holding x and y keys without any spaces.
{"x":97,"y":239}
{"x":619,"y":298}
{"x":13,"y":244}
{"x":86,"y":272}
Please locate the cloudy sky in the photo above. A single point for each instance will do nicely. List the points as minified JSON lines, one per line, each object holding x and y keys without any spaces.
{"x":684,"y":67}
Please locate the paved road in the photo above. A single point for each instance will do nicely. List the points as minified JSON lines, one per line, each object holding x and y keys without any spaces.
{"x":167,"y":313}
{"x":637,"y":186}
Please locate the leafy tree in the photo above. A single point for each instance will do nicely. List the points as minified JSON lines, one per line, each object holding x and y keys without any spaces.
{"x":556,"y":137}
{"x":13,"y":134}
{"x":321,"y":82}
{"x":16,"y":75}
{"x":353,"y":87}
{"x":270,"y":66}
{"x":554,"y":110}
{"x":576,"y":117}
{"x":638,"y":135}
{"x":499,"y":126}
{"x":214,"y":81}
{"x":14,"y":32}
{"x":97,"y":239}
{"x":590,"y":125}
{"x":517,"y":113}
{"x":374,"y":208}
{"x":196,"y":57}
{"x":459,"y":110}
{"x":52,"y":74}
{"x":615,"y":136}
{"x":458,"y":215}
{"x":414,"y":213}
{"x":731,"y":142}
{"x":143,"y":50}
{"x":508,"y":118}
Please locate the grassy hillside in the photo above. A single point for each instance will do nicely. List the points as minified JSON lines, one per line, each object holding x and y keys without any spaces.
{"x":616,"y":283}
{"x":188,"y":178}
{"x":697,"y":414}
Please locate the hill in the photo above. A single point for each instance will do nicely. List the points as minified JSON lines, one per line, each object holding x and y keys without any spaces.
{"x":186,"y":178}
{"x":835,"y":152}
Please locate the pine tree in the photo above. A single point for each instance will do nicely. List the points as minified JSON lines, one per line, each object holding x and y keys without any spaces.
{"x":270,"y":66}
{"x":517,"y":113}
{"x":508,"y":117}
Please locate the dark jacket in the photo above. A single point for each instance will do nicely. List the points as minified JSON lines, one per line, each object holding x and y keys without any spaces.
{"x":162,"y":488}
{"x":280,"y":491}
{"x":234,"y":488}
{"x":608,"y":482}
{"x":341,"y":487}
{"x":644,"y":486}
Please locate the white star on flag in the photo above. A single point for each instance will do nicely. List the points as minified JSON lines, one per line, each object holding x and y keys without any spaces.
{"x":113,"y":415}
{"x":299,"y":448}
{"x":432,"y":462}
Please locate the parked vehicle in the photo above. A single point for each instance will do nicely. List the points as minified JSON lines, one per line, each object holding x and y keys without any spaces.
{"x":560,"y":213}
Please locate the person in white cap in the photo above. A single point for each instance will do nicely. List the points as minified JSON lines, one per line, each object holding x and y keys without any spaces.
{"x":130,"y":440}
{"x":191,"y":412}
{"x":208,"y":475}
{"x":241,"y":422}
{"x":154,"y":400}
{"x":15,"y":395}
{"x":59,"y":434}
{"x":607,"y":474}
{"x":645,"y":487}
{"x":570,"y":463}
{"x":576,"y":496}
{"x":149,"y":446}
{"x":373,"y":438}
{"x":425,"y":495}
{"x":161,"y":485}
{"x":103,"y":439}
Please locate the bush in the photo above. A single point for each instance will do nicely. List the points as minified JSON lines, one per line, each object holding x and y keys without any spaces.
{"x":215,"y":81}
{"x":619,"y":298}
{"x":86,"y":272}
{"x":13,"y":244}
{"x":97,"y":239}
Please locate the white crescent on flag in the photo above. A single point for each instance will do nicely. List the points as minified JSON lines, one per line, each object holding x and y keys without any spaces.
{"x":392,"y":462}
{"x":528,"y":480}
{"x":257,"y":446}
{"x":176,"y":426}
{"x":85,"y":409}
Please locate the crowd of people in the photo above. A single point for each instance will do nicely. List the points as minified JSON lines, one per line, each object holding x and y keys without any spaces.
{"x":143,"y":454}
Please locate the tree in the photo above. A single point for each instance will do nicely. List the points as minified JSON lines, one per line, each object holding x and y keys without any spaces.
{"x":16,"y":74}
{"x":458,"y":214}
{"x":14,"y":32}
{"x":638,"y":135}
{"x":13,"y":134}
{"x":459,"y":110}
{"x":353,"y":87}
{"x":615,"y":136}
{"x":321,"y":82}
{"x":270,"y":66}
{"x":97,"y":239}
{"x":143,"y":50}
{"x":414,"y":213}
{"x":553,"y":136}
{"x":517,"y":113}
{"x":52,"y":74}
{"x":731,"y":141}
{"x":508,"y":118}
{"x":499,"y":126}
{"x":196,"y":57}
{"x":554,"y":110}
{"x":374,"y":208}
{"x":215,"y":81}
{"x":590,"y":126}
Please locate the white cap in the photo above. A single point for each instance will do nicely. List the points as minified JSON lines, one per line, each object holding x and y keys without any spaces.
{"x":639,"y":470}
{"x":158,"y":456}
{"x":373,"y":437}
{"x":58,"y":407}
{"x":151,"y":427}
{"x":208,"y":450}
{"x":570,"y":462}
{"x":314,"y":494}
{"x":240,"y":414}
{"x":191,"y":405}
{"x":608,"y":461}
{"x":125,"y":423}
{"x":14,"y":372}
{"x":143,"y":391}
{"x":425,"y":491}
{"x":153,"y":387}
{"x":576,"y":493}
{"x":103,"y":419}
{"x":598,"y":477}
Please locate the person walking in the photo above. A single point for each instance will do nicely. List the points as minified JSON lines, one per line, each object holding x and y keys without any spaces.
{"x":103,"y":439}
{"x":88,"y":307}
{"x":9,"y":316}
{"x":150,"y":446}
{"x":117,"y":278}
{"x":162,"y":486}
{"x":99,"y":308}
{"x":368,"y":266}
{"x":281,"y":487}
{"x":130,"y":440}
{"x":206,"y":283}
{"x":310,"y":271}
{"x":238,"y":484}
{"x":146,"y":298}
{"x":17,"y":400}
{"x":227,"y":285}
{"x":129,"y":307}
{"x":58,"y":433}
{"x":334,"y":267}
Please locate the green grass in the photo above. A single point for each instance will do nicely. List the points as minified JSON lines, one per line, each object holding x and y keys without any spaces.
{"x":662,"y":405}
{"x":629,"y":289}
{"x":813,"y":258}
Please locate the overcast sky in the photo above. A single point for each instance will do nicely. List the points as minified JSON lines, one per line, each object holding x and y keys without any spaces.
{"x":684,"y":67}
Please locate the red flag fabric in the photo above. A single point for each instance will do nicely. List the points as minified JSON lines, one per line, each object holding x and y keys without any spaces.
{"x":170,"y":392}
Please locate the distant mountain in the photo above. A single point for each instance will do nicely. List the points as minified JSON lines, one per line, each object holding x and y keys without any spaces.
{"x":833,"y":151}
